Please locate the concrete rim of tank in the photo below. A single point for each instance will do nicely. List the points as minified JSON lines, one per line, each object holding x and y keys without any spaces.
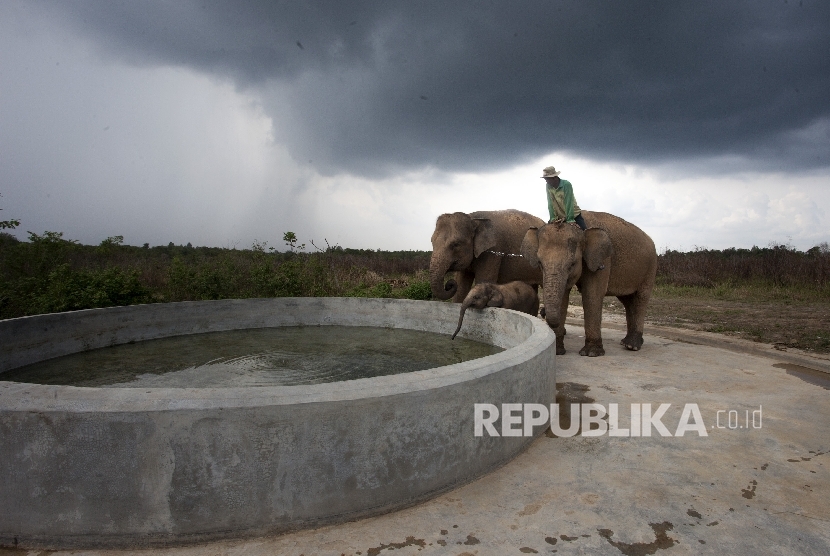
{"x":52,"y":398}
{"x":140,"y":467}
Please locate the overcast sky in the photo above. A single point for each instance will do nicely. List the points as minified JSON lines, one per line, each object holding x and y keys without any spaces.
{"x":224,"y":122}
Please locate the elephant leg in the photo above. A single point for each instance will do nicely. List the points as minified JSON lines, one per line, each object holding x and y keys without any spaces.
{"x":560,"y":330}
{"x":464,"y":279}
{"x":592,"y":308}
{"x":627,"y":302}
{"x":635,"y":315}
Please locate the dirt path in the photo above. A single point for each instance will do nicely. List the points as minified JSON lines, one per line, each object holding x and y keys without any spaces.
{"x":787,"y":326}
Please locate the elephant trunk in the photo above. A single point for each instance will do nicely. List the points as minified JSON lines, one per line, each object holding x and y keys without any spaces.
{"x":554,"y":290}
{"x":438,"y":267}
{"x":460,"y":318}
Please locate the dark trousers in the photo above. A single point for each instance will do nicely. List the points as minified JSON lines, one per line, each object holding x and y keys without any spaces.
{"x":581,"y":221}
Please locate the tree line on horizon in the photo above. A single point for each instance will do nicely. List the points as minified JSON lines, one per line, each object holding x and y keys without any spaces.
{"x":48,"y":273}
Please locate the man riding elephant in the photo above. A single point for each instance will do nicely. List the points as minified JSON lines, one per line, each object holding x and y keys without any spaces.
{"x":609,"y":257}
{"x":561,"y":201}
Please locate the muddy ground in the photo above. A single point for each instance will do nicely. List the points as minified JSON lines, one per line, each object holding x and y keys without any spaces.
{"x":801,"y":325}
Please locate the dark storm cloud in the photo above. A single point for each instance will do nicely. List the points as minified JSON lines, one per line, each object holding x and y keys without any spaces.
{"x":374,"y":86}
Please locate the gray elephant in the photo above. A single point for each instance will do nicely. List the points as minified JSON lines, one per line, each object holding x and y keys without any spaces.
{"x":611,"y":257}
{"x":519,"y":296}
{"x":481,"y":246}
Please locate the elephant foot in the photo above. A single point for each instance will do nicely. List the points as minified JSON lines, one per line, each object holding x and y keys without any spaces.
{"x":633,"y":341}
{"x":560,"y":346}
{"x":592,"y":349}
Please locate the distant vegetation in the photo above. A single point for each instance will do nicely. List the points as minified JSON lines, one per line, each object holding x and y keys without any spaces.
{"x":776,"y":295}
{"x":774,"y":266}
{"x":49,"y":273}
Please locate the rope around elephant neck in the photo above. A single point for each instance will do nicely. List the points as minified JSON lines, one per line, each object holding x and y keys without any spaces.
{"x":500,"y":254}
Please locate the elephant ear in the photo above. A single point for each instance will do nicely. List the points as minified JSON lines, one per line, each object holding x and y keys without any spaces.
{"x":485,"y":235}
{"x":530,"y":246}
{"x":496,"y":300}
{"x":597,"y":248}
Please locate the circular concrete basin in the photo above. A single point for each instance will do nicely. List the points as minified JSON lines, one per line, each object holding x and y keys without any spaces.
{"x":129,"y":467}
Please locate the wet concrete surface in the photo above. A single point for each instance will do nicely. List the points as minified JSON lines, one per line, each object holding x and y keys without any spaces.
{"x":757,"y":488}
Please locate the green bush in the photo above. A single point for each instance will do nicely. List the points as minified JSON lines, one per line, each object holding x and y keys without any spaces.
{"x":67,"y":290}
{"x":203,"y":280}
{"x":49,"y":273}
{"x":287,"y":280}
{"x":383,"y":289}
{"x":419,"y":290}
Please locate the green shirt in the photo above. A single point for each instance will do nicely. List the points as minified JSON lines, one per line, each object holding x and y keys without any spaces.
{"x":561,"y":202}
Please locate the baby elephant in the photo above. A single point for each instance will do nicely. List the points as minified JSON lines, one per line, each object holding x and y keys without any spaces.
{"x":513,"y":295}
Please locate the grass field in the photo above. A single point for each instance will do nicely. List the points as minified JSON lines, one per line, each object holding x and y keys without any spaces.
{"x":776,"y":294}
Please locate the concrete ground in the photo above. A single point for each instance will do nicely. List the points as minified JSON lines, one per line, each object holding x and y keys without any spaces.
{"x":736,"y":491}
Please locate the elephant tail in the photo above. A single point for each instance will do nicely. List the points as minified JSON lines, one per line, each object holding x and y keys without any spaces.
{"x":460,"y":320}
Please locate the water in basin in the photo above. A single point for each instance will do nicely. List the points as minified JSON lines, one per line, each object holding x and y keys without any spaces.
{"x":255,"y":357}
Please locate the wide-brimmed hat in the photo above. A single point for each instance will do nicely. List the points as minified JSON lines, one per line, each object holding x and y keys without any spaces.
{"x":550,"y":172}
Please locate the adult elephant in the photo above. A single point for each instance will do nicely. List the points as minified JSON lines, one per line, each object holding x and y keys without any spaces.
{"x":481,"y":246}
{"x":611,"y":257}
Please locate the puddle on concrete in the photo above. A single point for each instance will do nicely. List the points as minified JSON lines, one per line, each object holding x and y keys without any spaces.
{"x":410,"y":541}
{"x":806,"y":374}
{"x":661,"y":541}
{"x":566,"y":394}
{"x":255,"y":357}
{"x":749,"y":491}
